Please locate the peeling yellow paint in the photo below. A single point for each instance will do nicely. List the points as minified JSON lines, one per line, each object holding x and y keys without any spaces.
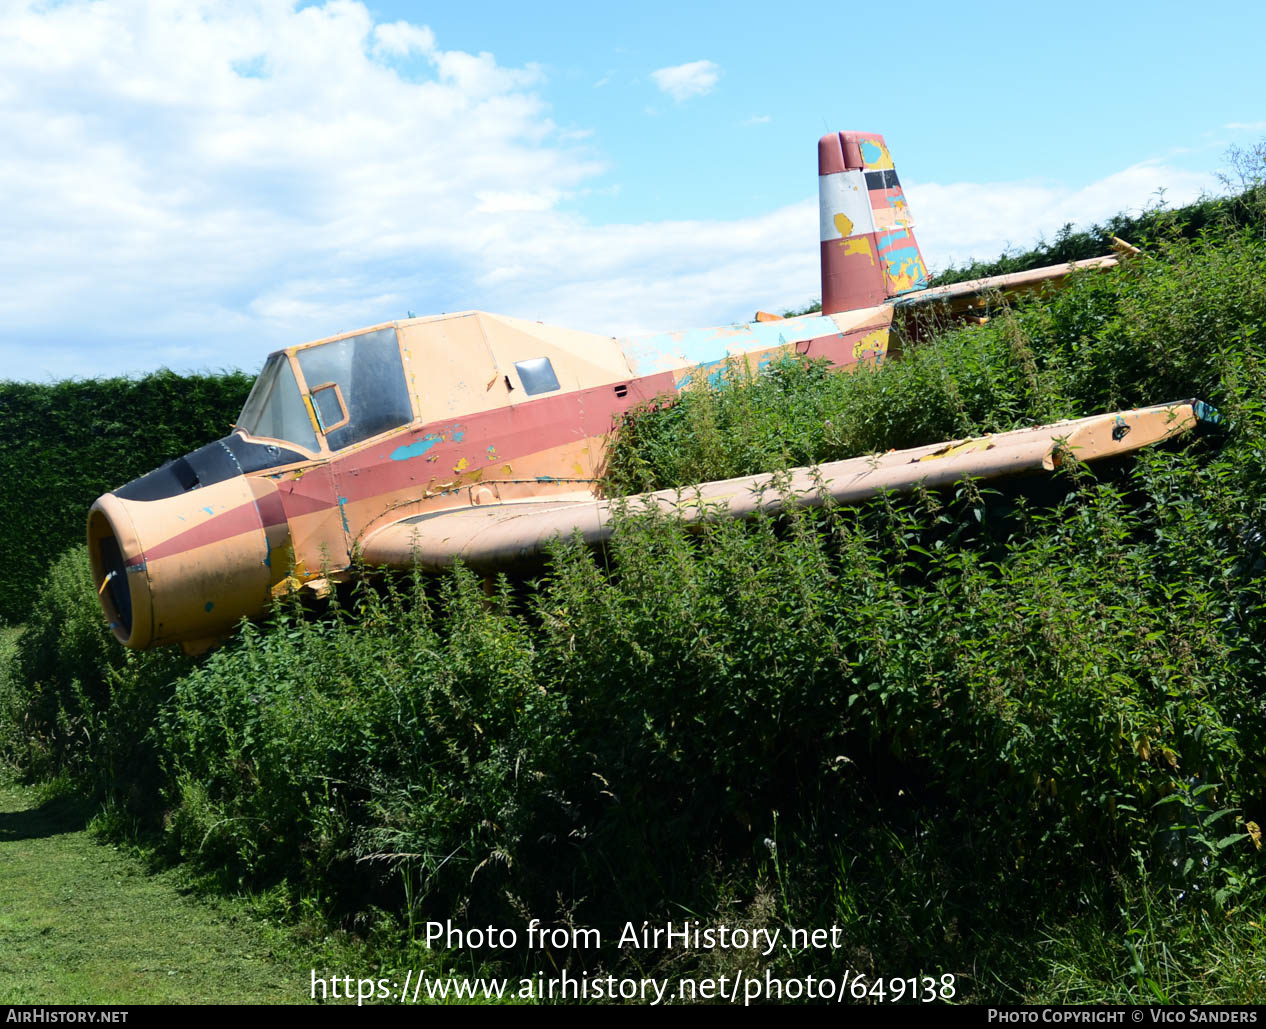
{"x":895,"y":217}
{"x":970,"y":447}
{"x":883,"y":161}
{"x":307,"y":403}
{"x":873,"y":344}
{"x":295,"y":580}
{"x":844,"y":224}
{"x":903,"y":282}
{"x":461,"y":465}
{"x":858,"y":245}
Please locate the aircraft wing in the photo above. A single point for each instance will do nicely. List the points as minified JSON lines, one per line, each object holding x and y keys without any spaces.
{"x":494,"y":535}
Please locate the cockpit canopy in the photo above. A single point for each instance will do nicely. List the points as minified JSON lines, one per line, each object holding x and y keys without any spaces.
{"x":347,"y":390}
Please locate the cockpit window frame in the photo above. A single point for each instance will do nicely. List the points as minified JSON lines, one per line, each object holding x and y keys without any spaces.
{"x":325,"y":451}
{"x":310,"y":454}
{"x":414,"y":414}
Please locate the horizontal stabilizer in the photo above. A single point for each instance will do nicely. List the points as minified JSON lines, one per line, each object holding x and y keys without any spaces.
{"x":961,"y":296}
{"x":494,"y":535}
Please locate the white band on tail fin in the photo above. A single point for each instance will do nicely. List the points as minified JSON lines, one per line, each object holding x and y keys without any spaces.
{"x":844,"y":205}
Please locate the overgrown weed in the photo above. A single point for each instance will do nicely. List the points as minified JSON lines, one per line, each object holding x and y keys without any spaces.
{"x":1010,"y":732}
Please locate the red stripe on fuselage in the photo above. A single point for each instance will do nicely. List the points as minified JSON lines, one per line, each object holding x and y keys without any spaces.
{"x":510,"y":433}
{"x":487,"y":440}
{"x":271,"y":509}
{"x":513,"y":432}
{"x":216,"y":528}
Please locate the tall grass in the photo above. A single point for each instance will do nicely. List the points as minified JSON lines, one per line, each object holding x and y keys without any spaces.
{"x":1012,"y":733}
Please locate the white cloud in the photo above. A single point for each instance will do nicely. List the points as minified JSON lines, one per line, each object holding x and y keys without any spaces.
{"x":683,"y":81}
{"x":400,"y":39}
{"x":758,"y":119}
{"x":503,"y":201}
{"x":956,"y":222}
{"x":1246,"y":126}
{"x":237,"y":176}
{"x":200,"y":183}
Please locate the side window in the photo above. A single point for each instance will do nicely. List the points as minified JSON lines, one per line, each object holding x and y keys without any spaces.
{"x":537,"y":375}
{"x":331,"y":409}
{"x":357,"y":386}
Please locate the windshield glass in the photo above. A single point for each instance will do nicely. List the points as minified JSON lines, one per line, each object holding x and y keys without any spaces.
{"x":275,"y":409}
{"x":370,"y":379}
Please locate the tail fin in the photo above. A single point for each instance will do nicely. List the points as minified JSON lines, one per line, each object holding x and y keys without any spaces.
{"x":868,"y":248}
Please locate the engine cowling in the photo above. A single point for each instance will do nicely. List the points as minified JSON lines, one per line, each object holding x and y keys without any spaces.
{"x":187,"y":567}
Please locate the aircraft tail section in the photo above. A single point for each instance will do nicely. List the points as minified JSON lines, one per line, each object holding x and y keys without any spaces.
{"x":869,"y":253}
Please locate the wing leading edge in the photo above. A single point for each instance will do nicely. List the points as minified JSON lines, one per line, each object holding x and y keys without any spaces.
{"x":493,"y":535}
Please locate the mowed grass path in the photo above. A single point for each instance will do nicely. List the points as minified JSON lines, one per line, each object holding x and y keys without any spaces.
{"x":82,"y":923}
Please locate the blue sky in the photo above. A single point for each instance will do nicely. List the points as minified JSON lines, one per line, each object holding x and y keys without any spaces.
{"x":193,"y":184}
{"x":987,"y":91}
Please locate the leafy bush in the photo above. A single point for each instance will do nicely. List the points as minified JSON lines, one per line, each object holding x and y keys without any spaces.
{"x":12,"y":699}
{"x":87,"y":705}
{"x":986,"y":711}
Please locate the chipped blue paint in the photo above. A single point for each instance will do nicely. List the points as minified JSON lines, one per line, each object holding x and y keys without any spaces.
{"x":903,"y":259}
{"x":713,"y":371}
{"x":458,"y":434}
{"x":342,"y":510}
{"x":906,"y":260}
{"x":268,"y":552}
{"x":897,"y":201}
{"x":208,"y":510}
{"x":415,"y":449}
{"x":546,"y":478}
{"x":664,"y":351}
{"x":870,"y":151}
{"x":889,"y":238}
{"x":208,"y":608}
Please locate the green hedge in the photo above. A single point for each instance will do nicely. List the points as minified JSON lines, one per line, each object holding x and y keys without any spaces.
{"x":1244,"y":210}
{"x":63,"y":444}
